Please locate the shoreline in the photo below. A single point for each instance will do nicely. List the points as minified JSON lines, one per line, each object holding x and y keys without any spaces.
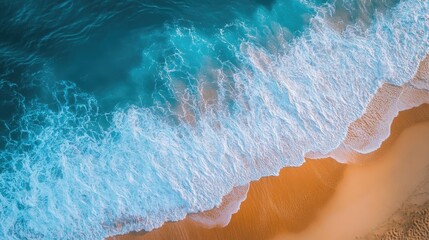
{"x":284,"y":203}
{"x":390,"y":112}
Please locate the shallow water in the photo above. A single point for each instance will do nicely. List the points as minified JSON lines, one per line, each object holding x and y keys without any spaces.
{"x":121,"y":116}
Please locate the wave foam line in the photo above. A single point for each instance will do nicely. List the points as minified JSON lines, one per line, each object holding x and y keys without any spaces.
{"x":365,"y":135}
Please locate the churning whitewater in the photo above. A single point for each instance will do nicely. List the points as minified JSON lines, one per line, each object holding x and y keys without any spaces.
{"x":172,"y":115}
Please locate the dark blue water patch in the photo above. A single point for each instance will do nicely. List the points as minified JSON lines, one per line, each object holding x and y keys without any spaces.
{"x":49,"y":28}
{"x":118,"y":52}
{"x":93,"y":44}
{"x":96,"y":43}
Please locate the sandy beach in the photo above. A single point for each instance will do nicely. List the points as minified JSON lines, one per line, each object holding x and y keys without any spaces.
{"x":328,"y":199}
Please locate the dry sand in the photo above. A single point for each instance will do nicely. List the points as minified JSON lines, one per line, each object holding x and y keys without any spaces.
{"x":370,"y":193}
{"x":324,"y":199}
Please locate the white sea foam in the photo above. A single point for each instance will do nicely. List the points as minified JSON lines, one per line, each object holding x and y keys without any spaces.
{"x":287,"y":101}
{"x":221,"y":215}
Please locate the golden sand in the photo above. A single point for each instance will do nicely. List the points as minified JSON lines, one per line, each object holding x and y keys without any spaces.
{"x":370,"y":193}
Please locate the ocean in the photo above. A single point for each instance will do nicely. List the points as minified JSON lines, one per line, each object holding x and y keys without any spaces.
{"x":118,"y":116}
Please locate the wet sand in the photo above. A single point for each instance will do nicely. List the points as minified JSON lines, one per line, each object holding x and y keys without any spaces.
{"x":324,"y":199}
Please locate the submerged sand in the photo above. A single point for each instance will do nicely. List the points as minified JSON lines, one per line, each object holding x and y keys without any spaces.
{"x":383,"y":196}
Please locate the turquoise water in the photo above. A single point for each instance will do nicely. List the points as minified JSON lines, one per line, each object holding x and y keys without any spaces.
{"x":117,"y":117}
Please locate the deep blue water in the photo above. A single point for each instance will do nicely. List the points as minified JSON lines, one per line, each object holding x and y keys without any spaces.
{"x":139,"y":112}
